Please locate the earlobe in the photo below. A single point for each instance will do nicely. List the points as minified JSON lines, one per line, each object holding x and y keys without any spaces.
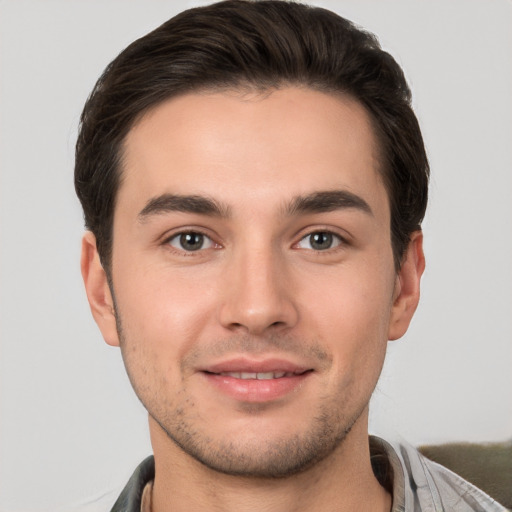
{"x":407,"y":287}
{"x":97,"y":289}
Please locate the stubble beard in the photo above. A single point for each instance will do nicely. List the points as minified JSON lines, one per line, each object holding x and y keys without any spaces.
{"x":259,"y":458}
{"x":273,"y":458}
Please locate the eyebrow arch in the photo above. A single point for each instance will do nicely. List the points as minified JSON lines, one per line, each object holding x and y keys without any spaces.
{"x":327,"y":201}
{"x":183,"y":203}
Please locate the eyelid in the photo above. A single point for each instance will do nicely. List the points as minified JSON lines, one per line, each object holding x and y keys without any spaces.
{"x":176,"y":233}
{"x":342,"y":240}
{"x":207,"y":242}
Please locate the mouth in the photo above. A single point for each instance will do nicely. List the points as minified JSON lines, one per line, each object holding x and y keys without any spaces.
{"x":257,"y":381}
{"x":259,"y":375}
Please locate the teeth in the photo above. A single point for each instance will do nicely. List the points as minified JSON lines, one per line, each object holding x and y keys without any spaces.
{"x":254,"y":375}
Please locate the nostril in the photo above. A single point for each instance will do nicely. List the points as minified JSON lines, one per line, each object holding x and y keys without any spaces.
{"x":257,"y":313}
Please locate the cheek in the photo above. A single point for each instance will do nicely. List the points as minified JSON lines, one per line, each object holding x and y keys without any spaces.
{"x":162,"y":312}
{"x":351,"y":312}
{"x":356,"y":300}
{"x":358,"y":344}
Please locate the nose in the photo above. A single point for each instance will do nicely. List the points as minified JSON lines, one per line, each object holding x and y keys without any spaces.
{"x":258,"y":294}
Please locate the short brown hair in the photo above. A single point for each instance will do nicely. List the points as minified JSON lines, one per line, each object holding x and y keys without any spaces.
{"x":259,"y":45}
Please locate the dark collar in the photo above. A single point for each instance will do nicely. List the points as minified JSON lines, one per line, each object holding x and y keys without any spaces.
{"x":130,"y":499}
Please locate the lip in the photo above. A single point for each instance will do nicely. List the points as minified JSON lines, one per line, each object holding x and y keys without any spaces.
{"x":243,"y":364}
{"x":256,"y":390}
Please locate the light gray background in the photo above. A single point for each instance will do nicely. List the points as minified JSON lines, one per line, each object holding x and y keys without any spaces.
{"x":71,"y":429}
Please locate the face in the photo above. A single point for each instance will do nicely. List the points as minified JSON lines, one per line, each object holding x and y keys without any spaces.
{"x":253,"y":278}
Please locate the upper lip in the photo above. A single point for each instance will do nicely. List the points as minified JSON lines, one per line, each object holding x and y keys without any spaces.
{"x":243,"y":364}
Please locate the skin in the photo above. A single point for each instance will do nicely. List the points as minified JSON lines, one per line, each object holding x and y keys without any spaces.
{"x":258,"y":290}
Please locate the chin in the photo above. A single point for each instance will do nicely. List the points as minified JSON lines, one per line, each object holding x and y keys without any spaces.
{"x":263,"y":453}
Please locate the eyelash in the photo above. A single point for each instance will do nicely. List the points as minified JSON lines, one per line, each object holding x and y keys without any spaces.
{"x":195,"y":232}
{"x":334,"y":238}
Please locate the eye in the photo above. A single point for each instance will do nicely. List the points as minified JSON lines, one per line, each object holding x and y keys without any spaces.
{"x":190,"y":241}
{"x":320,"y":241}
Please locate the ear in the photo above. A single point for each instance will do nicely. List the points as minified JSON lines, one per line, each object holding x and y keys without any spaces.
{"x":407,"y":287}
{"x":98,"y":290}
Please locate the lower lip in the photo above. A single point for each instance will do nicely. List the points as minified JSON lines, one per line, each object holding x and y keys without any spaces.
{"x":255,"y":390}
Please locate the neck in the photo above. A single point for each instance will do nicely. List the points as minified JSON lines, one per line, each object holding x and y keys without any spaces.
{"x":343,"y":481}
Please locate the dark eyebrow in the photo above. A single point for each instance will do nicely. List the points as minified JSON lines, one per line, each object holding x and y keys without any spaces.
{"x":327,"y":201}
{"x":181,"y":203}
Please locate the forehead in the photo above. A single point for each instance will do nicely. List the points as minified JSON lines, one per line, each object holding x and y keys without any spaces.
{"x":240,"y":146}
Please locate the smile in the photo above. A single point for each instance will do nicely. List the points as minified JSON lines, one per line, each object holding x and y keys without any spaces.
{"x":258,"y":375}
{"x":256,"y":382}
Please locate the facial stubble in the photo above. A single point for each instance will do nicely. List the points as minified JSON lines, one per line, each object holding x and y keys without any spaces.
{"x":264,"y":457}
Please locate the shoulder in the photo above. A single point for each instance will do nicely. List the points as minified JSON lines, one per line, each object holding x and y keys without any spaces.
{"x":428,"y":486}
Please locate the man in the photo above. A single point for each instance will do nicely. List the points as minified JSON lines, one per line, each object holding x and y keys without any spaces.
{"x":253,"y":181}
